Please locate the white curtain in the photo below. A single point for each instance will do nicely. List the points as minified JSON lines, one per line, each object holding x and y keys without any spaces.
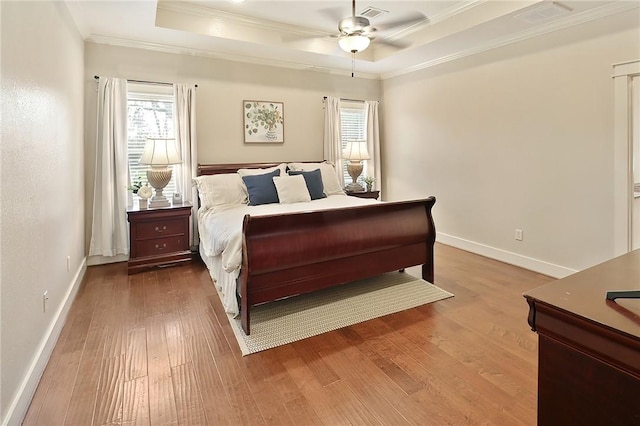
{"x":373,"y":142}
{"x":184,"y":101}
{"x":109,"y":231}
{"x":333,"y":135}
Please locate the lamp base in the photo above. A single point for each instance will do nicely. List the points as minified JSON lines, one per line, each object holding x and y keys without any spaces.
{"x":354,"y":187}
{"x":354,"y":168}
{"x":161,"y":201}
{"x":159,"y":177}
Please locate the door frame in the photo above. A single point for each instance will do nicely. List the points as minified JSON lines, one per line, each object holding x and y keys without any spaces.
{"x":623,"y":155}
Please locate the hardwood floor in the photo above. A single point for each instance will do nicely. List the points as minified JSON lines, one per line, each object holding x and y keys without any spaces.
{"x":156,"y":348}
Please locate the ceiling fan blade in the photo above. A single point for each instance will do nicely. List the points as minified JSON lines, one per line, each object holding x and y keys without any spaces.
{"x":369,"y":30}
{"x":335,"y":14}
{"x":414,"y":18}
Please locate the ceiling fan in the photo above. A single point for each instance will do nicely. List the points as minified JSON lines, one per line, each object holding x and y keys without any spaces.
{"x":356,"y":32}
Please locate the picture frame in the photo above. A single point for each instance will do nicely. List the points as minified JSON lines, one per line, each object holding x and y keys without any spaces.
{"x":263,"y":121}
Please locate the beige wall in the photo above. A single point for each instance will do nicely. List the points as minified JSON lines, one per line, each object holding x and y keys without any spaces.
{"x":222,"y":86}
{"x":519,"y":137}
{"x":41,"y":188}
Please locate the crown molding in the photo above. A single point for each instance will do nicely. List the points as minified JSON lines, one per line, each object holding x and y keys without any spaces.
{"x":567,"y":22}
{"x":455,"y":10}
{"x":237,"y":19}
{"x":181,"y":50}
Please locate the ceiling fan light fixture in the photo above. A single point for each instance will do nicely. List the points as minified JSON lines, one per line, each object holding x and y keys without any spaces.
{"x":354,"y":43}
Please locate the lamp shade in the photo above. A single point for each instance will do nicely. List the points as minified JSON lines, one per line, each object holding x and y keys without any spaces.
{"x":160,"y":152}
{"x":356,"y":150}
{"x":354,"y":43}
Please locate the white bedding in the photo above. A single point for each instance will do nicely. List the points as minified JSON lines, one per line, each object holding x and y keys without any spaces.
{"x":221,"y":235}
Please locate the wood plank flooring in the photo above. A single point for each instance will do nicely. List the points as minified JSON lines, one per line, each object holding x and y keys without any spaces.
{"x":156,"y":348}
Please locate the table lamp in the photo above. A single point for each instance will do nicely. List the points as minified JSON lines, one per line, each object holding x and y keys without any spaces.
{"x":159,"y":153}
{"x":355,"y":151}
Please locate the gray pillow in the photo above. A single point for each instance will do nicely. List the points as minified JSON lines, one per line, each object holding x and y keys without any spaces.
{"x":261,"y":188}
{"x":313,"y":179}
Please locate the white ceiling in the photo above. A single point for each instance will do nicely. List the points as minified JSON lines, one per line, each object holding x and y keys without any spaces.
{"x":301,"y":34}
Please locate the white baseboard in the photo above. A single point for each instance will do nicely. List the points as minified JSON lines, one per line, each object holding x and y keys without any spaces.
{"x":18,"y":407}
{"x":540,"y":266}
{"x":103,"y":260}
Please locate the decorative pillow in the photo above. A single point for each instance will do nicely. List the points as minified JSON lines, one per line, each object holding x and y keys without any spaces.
{"x":291,"y":189}
{"x":250,"y":172}
{"x":313,"y":180}
{"x":261,"y":188}
{"x":220,"y":190}
{"x":329,"y":176}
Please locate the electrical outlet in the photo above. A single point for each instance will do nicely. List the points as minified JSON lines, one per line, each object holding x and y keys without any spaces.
{"x":45,"y":297}
{"x":68,"y":263}
{"x":519,"y":234}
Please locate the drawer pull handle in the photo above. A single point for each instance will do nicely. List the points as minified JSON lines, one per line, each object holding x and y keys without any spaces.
{"x":158,"y":247}
{"x":164,"y":228}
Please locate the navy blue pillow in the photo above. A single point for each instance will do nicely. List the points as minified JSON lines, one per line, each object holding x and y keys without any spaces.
{"x":313,"y":179}
{"x":261,"y":188}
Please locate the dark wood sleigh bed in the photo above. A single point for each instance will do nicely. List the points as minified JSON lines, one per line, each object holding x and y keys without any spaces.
{"x":289,"y":254}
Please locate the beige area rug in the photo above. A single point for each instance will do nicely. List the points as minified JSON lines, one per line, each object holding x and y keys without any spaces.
{"x":296,"y":318}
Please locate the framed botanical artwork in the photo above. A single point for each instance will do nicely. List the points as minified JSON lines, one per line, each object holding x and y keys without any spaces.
{"x":263,"y":121}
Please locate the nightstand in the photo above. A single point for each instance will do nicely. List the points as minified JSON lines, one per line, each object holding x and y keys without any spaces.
{"x":365,"y":194}
{"x":158,"y":237}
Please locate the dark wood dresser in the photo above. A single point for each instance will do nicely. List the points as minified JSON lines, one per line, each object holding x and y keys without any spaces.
{"x":589,"y":347}
{"x":158,"y":237}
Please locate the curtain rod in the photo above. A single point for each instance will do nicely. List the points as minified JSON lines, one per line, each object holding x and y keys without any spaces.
{"x":346,"y":99}
{"x":145,"y":82}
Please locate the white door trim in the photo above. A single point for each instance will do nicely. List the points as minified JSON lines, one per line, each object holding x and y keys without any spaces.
{"x":623,"y":164}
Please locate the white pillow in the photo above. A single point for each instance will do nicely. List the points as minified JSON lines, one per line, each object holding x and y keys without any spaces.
{"x":329,"y":176}
{"x":291,"y":189}
{"x":259,"y":171}
{"x":220,"y":190}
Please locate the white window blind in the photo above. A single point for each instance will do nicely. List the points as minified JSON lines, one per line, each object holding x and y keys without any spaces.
{"x":150,"y":114}
{"x":352,"y":122}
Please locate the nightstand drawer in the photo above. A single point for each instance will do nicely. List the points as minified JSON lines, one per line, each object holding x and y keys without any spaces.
{"x":160,"y":246}
{"x":161,"y":228}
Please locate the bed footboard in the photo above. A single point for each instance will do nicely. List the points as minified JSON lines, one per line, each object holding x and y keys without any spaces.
{"x":290,"y":254}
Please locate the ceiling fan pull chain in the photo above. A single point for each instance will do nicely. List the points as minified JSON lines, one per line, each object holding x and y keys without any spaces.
{"x":353,"y":63}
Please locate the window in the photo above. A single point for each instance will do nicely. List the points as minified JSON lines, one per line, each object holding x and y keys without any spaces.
{"x":149,"y":114}
{"x":353,"y":126}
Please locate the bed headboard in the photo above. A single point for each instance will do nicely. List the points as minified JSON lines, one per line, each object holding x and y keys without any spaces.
{"x":216,"y":169}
